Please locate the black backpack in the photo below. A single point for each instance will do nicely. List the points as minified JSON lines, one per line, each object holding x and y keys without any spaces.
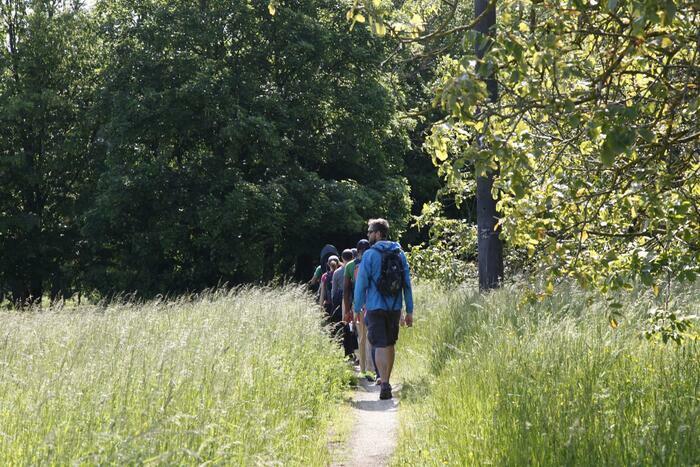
{"x":390,"y":281}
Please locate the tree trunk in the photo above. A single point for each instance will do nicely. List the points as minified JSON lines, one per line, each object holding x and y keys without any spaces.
{"x":490,"y":247}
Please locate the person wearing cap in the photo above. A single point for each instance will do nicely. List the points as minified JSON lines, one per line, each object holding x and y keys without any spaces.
{"x":383,"y":311}
{"x":365,"y":349}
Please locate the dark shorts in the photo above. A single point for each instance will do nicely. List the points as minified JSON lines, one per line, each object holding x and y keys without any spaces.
{"x":383,"y":327}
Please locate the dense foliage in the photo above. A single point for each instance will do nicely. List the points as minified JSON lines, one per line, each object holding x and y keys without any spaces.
{"x":449,"y":256}
{"x":594,"y":135}
{"x":166,"y":146}
{"x":49,"y":67}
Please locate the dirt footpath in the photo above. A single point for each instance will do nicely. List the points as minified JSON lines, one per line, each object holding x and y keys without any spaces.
{"x":375,"y":430}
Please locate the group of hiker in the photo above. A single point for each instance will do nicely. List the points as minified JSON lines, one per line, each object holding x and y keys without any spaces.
{"x":362,"y":292}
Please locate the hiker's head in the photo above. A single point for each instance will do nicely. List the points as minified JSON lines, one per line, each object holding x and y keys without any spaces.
{"x":362,"y":246}
{"x":346,"y":255}
{"x":377,"y":229}
{"x":354,"y":252}
{"x":333,"y":262}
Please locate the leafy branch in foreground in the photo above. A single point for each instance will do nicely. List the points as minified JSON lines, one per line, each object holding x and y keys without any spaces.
{"x":449,"y":255}
{"x":595,"y":133}
{"x":595,"y":136}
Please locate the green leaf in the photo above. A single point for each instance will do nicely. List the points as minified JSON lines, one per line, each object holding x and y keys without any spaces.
{"x":607,"y":155}
{"x":647,"y":135}
{"x":617,"y":141}
{"x":669,"y":12}
{"x":417,"y":22}
{"x":378,"y":27}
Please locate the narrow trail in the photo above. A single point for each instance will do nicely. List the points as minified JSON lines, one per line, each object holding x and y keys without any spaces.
{"x":375,"y":429}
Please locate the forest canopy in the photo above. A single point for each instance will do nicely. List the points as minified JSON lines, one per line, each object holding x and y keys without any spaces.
{"x":162,"y":147}
{"x":166,"y":146}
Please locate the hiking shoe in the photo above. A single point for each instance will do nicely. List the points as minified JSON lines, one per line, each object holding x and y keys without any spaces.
{"x":385,"y":392}
{"x":369,"y":377}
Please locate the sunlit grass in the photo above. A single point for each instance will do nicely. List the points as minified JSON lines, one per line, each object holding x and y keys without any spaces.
{"x":497,"y":380}
{"x":242,"y":377}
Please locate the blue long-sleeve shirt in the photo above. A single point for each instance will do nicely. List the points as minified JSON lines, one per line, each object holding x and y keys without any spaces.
{"x":366,"y":292}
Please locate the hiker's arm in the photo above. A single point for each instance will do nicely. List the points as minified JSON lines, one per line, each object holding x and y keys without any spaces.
{"x":407,"y":291}
{"x":322,"y":295}
{"x":361,"y":283}
{"x":316,"y":278}
{"x":347,"y":312}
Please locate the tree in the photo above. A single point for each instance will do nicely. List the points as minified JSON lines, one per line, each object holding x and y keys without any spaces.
{"x":236,"y":142}
{"x":490,"y":255}
{"x":595,"y":135}
{"x":47,"y":82}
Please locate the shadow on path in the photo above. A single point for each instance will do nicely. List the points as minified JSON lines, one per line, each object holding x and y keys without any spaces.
{"x":375,"y":406}
{"x":373,"y":438}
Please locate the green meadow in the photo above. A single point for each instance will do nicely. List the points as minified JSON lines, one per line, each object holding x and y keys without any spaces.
{"x":249,"y":377}
{"x":241,"y":377}
{"x":498,"y":379}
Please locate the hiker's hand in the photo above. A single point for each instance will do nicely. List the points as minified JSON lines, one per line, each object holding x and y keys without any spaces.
{"x":409,"y":319}
{"x":347,"y":317}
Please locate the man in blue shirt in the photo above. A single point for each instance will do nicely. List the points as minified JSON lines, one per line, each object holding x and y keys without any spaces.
{"x":383,"y":311}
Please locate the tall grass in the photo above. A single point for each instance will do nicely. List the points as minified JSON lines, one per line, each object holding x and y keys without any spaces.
{"x":243,"y":377}
{"x":495,"y":379}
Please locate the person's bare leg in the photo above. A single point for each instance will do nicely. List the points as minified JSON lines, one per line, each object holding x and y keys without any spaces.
{"x":385,"y":362}
{"x":391,"y":354}
{"x":362,"y":345}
